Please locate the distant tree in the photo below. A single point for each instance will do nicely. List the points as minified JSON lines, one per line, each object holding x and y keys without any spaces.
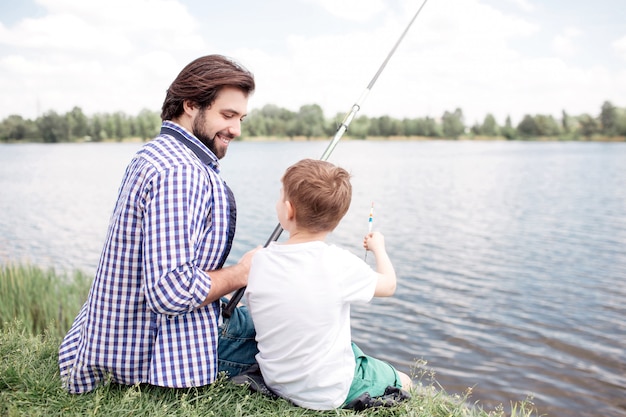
{"x":147,"y":124}
{"x":547,"y":125}
{"x":254,"y":124}
{"x":589,"y":126}
{"x":96,"y":125}
{"x":620,"y":122}
{"x":396,"y":127}
{"x":277,"y":119}
{"x":69,"y":127}
{"x":452,"y":124}
{"x":272,"y":111}
{"x":508,"y":131}
{"x":490,"y":126}
{"x":107,"y":130}
{"x":384,"y":126}
{"x":374,"y":128}
{"x":310,"y":121}
{"x":410,"y":126}
{"x":52,"y":127}
{"x":431,"y":128}
{"x":121,"y":126}
{"x":567,"y":123}
{"x":15,"y":128}
{"x":78,"y":124}
{"x":358,"y":128}
{"x":528,"y":127}
{"x":476,"y":129}
{"x":608,"y":119}
{"x":421,"y":126}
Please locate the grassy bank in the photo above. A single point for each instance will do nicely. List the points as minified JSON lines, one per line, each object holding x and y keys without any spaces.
{"x":41,"y":298}
{"x":30,"y":384}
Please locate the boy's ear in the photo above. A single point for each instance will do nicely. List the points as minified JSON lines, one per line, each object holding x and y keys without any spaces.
{"x":291,"y":211}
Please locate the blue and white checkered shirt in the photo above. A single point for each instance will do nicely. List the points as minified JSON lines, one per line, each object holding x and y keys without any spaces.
{"x":141,"y":322}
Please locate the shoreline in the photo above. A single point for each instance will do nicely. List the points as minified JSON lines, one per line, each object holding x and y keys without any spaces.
{"x":593,"y":139}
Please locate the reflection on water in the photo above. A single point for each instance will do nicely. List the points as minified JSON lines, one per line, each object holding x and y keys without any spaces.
{"x":510,"y":256}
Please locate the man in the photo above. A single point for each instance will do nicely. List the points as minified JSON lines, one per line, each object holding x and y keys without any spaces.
{"x":153,"y":308}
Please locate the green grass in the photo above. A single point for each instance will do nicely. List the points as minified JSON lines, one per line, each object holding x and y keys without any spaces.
{"x":39,"y":297}
{"x":30,"y":383}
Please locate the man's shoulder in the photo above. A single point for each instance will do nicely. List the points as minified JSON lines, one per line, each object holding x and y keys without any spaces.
{"x":164,"y":152}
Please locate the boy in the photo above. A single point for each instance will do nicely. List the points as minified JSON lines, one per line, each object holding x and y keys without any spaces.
{"x":299,"y":295}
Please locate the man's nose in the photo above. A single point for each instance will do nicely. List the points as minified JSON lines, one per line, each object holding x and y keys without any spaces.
{"x":235,"y":128}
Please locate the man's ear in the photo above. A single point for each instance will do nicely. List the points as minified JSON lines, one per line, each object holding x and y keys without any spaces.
{"x":190,"y":107}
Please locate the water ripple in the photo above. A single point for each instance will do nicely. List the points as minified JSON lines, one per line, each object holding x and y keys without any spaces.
{"x":510,"y":256}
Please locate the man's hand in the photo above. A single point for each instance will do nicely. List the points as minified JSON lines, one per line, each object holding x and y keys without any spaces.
{"x":226,"y":280}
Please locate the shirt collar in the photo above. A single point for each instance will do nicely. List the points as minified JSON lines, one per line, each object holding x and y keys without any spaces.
{"x":188,"y":139}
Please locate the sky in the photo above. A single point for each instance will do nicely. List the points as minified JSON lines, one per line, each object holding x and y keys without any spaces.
{"x":499,"y":57}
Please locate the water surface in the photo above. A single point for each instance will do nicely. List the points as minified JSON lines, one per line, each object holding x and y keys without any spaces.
{"x":511,"y":256}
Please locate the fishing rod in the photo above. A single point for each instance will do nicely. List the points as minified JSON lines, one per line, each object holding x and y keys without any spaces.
{"x":227,"y":311}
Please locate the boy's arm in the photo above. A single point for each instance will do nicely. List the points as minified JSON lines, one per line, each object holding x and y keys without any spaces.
{"x":386,"y":285}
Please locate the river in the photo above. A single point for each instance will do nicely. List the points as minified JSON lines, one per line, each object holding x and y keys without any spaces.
{"x":511,"y":256}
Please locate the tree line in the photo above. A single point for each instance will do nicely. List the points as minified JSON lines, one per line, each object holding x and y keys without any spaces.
{"x":75,"y":126}
{"x":277,"y":122}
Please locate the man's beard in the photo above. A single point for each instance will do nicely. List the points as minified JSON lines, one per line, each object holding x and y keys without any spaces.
{"x":198,"y":129}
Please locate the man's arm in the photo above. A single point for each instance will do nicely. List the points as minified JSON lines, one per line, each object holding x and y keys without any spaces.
{"x":228,"y":279}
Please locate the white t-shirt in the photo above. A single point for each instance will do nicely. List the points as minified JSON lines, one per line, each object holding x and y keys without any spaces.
{"x":299,"y":297}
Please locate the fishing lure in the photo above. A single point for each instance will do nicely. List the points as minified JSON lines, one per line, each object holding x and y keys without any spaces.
{"x":370,"y":222}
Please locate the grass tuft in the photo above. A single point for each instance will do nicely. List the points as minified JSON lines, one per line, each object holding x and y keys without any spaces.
{"x":36,"y":297}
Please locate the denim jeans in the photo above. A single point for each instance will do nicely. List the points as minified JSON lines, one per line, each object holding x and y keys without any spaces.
{"x":236,"y":346}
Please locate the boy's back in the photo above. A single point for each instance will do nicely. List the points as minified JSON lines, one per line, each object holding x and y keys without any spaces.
{"x":299,"y":296}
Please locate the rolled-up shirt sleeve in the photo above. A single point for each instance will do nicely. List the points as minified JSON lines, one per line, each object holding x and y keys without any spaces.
{"x":176,"y":214}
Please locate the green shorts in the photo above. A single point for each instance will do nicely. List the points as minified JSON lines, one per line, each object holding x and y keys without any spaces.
{"x":371,"y":375}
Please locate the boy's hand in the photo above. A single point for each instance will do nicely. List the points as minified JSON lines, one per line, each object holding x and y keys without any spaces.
{"x":386,"y":284}
{"x":374,"y":242}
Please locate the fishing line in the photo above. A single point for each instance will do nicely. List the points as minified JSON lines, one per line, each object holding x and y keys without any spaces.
{"x":227,"y":311}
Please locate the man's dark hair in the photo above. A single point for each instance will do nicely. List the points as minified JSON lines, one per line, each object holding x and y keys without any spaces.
{"x":200,"y":82}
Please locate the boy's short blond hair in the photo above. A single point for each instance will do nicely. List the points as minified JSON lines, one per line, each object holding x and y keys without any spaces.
{"x":320,"y":193}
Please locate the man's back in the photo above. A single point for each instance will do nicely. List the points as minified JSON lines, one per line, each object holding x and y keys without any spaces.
{"x":137,"y":325}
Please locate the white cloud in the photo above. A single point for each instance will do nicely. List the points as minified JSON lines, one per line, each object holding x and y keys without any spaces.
{"x":525,"y":5}
{"x":66,"y":32}
{"x":619,"y":47}
{"x":455,"y":55}
{"x":102,"y":55}
{"x":357,"y":10}
{"x":565,"y":44}
{"x":459,"y":53}
{"x":128,"y":16}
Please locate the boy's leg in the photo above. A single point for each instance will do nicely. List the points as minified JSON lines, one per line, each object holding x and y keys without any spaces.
{"x":406,"y":381}
{"x":373,"y":376}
